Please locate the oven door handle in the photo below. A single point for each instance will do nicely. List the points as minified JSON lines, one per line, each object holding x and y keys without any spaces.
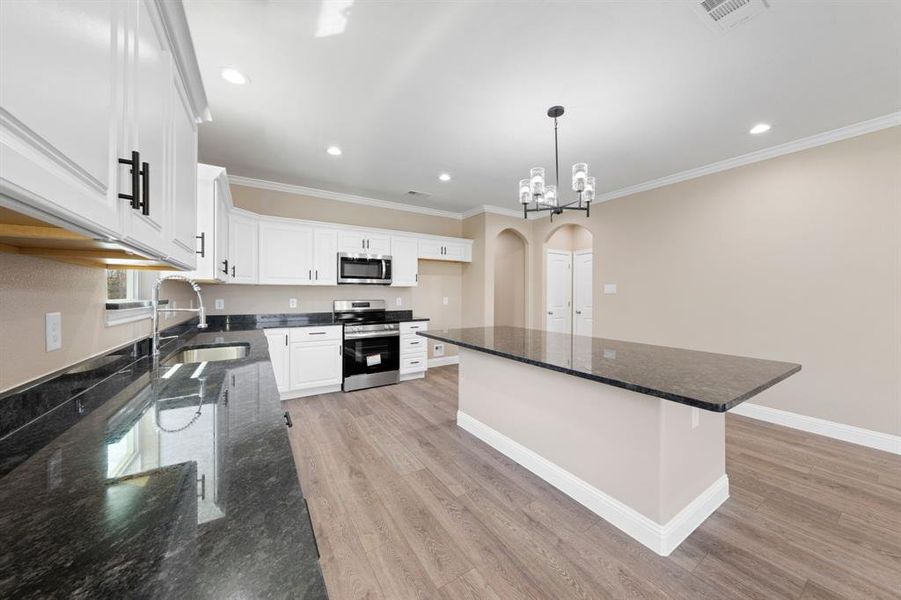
{"x":372,"y":334}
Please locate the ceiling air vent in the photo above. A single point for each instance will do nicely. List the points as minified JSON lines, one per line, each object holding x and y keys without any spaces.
{"x":417,"y":195}
{"x":723,"y":15}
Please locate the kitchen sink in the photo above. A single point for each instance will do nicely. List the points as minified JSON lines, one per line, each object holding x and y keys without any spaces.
{"x":210,"y":354}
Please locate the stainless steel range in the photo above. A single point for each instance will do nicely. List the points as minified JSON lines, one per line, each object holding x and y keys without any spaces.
{"x":371,"y":344}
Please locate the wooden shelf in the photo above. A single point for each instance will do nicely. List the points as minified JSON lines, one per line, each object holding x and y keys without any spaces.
{"x":20,"y":234}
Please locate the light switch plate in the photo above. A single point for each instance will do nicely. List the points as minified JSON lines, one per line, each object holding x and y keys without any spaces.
{"x":399,"y":301}
{"x":53,"y":331}
{"x":292,"y":302}
{"x":609,"y":288}
{"x":220,"y":304}
{"x":444,"y":300}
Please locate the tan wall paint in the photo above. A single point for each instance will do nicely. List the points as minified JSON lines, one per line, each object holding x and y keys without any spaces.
{"x":797,"y":258}
{"x":297,"y":206}
{"x":570,"y":237}
{"x":31,"y":287}
{"x":510,"y":280}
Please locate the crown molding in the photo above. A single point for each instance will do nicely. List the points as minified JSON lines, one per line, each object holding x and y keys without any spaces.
{"x":340,"y":197}
{"x":820,"y":139}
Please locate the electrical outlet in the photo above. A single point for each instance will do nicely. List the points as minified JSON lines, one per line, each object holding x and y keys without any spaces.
{"x":220,"y":304}
{"x":438,"y":350}
{"x":399,"y":301}
{"x":53,"y":331}
{"x":444,"y":300}
{"x":292,"y":302}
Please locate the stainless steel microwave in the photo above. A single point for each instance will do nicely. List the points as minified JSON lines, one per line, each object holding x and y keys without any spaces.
{"x":369,"y":269}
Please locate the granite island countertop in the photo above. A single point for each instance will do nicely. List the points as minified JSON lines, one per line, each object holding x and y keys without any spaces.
{"x":162,"y":483}
{"x":714,"y":382}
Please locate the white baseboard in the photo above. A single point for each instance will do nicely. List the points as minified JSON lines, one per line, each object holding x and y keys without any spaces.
{"x":443,"y":360}
{"x":661,"y":538}
{"x":847,"y":433}
{"x":326,"y":389}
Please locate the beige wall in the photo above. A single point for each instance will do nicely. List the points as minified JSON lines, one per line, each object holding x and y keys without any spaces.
{"x":570,"y":237}
{"x":31,"y":287}
{"x":509,"y":280}
{"x":797,"y":258}
{"x":287,"y":204}
{"x":437,"y":279}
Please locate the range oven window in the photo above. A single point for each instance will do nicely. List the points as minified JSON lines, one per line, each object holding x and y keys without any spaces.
{"x":371,"y":355}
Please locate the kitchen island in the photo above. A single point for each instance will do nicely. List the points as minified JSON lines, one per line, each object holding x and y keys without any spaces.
{"x":634,"y":432}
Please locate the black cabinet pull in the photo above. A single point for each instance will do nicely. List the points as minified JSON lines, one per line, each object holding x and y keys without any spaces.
{"x":145,"y":189}
{"x":202,"y":238}
{"x":233,"y":271}
{"x":317,"y":274}
{"x":288,"y":420}
{"x":286,"y":339}
{"x":310,"y":274}
{"x":225,"y":266}
{"x":135,"y":197}
{"x":317,"y":333}
{"x":202,"y":482}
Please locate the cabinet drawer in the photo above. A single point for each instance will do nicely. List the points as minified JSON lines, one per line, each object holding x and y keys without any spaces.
{"x":412,"y":364}
{"x":413,"y":327}
{"x":412,"y":344}
{"x":315,"y":334}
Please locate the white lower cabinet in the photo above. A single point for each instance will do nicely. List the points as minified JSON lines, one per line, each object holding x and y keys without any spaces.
{"x":414,"y":350}
{"x":306,"y":360}
{"x":279,"y":351}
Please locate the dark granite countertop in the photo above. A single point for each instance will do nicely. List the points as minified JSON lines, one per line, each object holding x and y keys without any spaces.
{"x":158,"y":483}
{"x":316,"y":319}
{"x":715,"y":382}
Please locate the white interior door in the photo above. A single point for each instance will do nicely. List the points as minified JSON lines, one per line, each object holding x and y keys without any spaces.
{"x":559,"y":291}
{"x":582,"y":315}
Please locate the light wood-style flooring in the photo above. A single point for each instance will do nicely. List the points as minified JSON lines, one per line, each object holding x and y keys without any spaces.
{"x":406,"y":505}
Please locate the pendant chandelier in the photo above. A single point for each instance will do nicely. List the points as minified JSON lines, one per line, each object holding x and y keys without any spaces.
{"x":536,"y":196}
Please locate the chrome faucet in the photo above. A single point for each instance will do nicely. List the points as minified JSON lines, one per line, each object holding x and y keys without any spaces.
{"x":201,"y":312}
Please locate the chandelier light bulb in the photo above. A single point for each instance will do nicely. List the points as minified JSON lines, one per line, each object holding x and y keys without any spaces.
{"x":550,"y":195}
{"x":536,"y":178}
{"x":588,"y":192}
{"x":580,"y":173}
{"x":525,"y":191}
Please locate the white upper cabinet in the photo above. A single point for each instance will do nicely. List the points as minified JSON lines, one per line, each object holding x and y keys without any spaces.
{"x":325,"y":256}
{"x":149,"y":112}
{"x":359,"y":241}
{"x":286,"y":253}
{"x":242,"y":247}
{"x":183,"y":165}
{"x":404,"y":261}
{"x":438,"y":249}
{"x":62,"y":92}
{"x":98,"y":125}
{"x":211,"y":234}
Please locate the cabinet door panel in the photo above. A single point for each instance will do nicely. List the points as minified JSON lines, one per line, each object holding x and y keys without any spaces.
{"x":222,"y":229}
{"x":61,"y":106}
{"x":183,"y":218}
{"x":454,"y":251}
{"x":279,"y":351}
{"x":352,"y":241}
{"x":286,"y":253}
{"x":378,"y":244}
{"x":242,"y":237}
{"x":404,"y":262}
{"x":430,"y":249}
{"x":151,"y":106}
{"x":325,"y":257}
{"x":315,"y":364}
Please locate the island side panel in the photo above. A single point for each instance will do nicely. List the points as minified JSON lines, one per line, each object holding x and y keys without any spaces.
{"x":633,"y":448}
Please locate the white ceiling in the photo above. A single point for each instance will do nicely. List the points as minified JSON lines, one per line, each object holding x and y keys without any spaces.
{"x":411,"y":89}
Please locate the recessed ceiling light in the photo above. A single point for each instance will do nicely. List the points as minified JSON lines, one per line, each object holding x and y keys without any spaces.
{"x":760,"y":128}
{"x":444,"y":177}
{"x":234,"y":76}
{"x":334,"y":150}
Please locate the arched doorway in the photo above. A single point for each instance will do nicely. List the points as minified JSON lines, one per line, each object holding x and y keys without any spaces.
{"x":510,"y":279}
{"x":568,"y":281}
